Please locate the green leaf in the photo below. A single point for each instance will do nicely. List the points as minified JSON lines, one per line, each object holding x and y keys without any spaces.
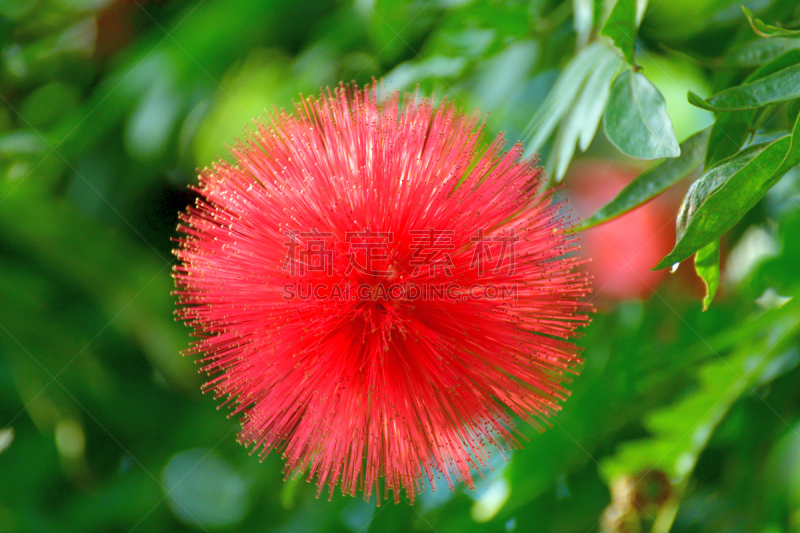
{"x":654,"y":181}
{"x":621,"y":27}
{"x":21,"y":143}
{"x":593,"y":104}
{"x":758,"y":52}
{"x":728,"y":134}
{"x":765,"y":30}
{"x":203,"y":489}
{"x":706,"y":264}
{"x":73,"y":248}
{"x":793,"y":110}
{"x":681,"y":431}
{"x":563,"y":93}
{"x":701,"y":189}
{"x":583,"y":20}
{"x":717,"y":200}
{"x":636,"y":119}
{"x":731,"y":128}
{"x":786,"y":59}
{"x":584,"y":117}
{"x":778,"y":87}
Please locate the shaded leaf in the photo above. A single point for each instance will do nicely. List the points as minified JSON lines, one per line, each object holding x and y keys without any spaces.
{"x":793,"y":110}
{"x":68,"y":246}
{"x":636,"y":119}
{"x":654,"y":181}
{"x":728,"y":134}
{"x":786,"y":59}
{"x":717,"y":200}
{"x":706,"y":264}
{"x":621,"y":26}
{"x":765,"y":30}
{"x":203,"y":490}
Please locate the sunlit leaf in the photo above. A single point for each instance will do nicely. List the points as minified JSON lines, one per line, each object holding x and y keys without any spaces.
{"x":407,"y":74}
{"x":583,"y":20}
{"x":654,"y":181}
{"x":706,"y":264}
{"x":21,"y":143}
{"x":621,"y":27}
{"x":563,"y":93}
{"x":765,"y":30}
{"x":636,"y":119}
{"x":584,"y":117}
{"x":593,"y":104}
{"x":6,"y":436}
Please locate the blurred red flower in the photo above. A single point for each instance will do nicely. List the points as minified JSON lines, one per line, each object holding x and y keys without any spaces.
{"x":378,"y":292}
{"x":625,"y":249}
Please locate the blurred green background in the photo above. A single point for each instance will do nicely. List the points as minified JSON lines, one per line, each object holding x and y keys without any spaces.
{"x":679,"y":418}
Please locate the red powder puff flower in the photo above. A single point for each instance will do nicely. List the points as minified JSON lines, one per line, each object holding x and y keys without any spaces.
{"x":378,"y":293}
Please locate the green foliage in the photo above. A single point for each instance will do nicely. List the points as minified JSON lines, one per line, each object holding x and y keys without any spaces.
{"x":706,"y":263}
{"x":654,"y":181}
{"x":636,"y":119}
{"x":756,"y":53}
{"x":722,"y":196}
{"x":681,"y":420}
{"x":564,"y":92}
{"x":681,"y":431}
{"x":621,"y":26}
{"x":728,"y":134}
{"x":580,"y":124}
{"x":765,"y":30}
{"x":778,"y":87}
